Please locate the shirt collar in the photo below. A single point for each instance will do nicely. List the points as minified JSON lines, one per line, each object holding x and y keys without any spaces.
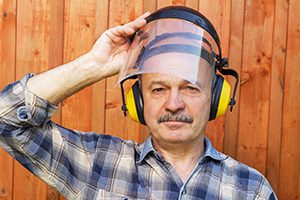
{"x":146,"y":147}
{"x":209,"y":151}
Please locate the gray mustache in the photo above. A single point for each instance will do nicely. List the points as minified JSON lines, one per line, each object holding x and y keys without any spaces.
{"x":175,"y":117}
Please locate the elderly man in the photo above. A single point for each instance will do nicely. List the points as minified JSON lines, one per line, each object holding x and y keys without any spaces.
{"x":174,"y":54}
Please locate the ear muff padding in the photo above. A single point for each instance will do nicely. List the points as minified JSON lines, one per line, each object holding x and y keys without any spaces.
{"x":220,"y":98}
{"x":134,"y":103}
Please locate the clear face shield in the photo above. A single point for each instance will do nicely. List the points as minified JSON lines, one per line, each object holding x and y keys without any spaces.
{"x":173,"y":47}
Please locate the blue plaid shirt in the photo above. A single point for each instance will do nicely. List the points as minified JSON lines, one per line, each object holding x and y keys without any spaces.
{"x":96,"y":166}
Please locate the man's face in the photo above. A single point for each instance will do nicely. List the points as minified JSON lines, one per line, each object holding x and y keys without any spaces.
{"x":175,"y":110}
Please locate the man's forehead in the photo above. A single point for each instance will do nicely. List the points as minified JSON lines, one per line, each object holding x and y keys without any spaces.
{"x":156,"y":78}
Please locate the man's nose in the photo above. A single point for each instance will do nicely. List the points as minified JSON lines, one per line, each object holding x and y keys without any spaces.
{"x":174,"y":102}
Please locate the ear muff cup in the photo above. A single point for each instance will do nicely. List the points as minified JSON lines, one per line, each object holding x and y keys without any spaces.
{"x":220,"y":98}
{"x":134,"y":103}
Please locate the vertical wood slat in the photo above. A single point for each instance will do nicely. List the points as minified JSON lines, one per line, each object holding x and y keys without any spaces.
{"x":255,"y":83}
{"x":235,"y":59}
{"x":32,"y":55}
{"x":235,"y":62}
{"x":79,"y":20}
{"x":56,"y":59}
{"x":219,"y":15}
{"x":276,"y":95}
{"x":98,"y":89}
{"x":149,"y":6}
{"x":79,"y":35}
{"x":35,"y":53}
{"x":290,"y":150}
{"x":192,"y":4}
{"x":163,"y":3}
{"x":120,"y":12}
{"x":7,"y":75}
{"x":257,"y":131}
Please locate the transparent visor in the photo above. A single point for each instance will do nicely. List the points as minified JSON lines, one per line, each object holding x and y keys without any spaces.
{"x":173,"y":47}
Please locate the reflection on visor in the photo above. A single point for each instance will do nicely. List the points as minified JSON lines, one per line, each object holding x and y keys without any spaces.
{"x":173,"y":47}
{"x":148,"y":52}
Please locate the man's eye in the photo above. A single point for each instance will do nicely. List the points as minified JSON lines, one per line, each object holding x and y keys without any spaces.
{"x":158,"y":90}
{"x":191,"y":89}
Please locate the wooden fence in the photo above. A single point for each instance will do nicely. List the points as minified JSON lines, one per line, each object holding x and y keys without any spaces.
{"x":261,"y":38}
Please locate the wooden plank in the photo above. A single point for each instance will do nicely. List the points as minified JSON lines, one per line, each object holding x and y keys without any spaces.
{"x":150,"y":6}
{"x":32,"y":56}
{"x":79,"y":34}
{"x":164,"y":3}
{"x":56,"y":59}
{"x":235,"y":62}
{"x":7,"y":75}
{"x":120,"y":12}
{"x":219,"y":16}
{"x":192,"y":4}
{"x":276,"y":95}
{"x":98,"y":89}
{"x":290,"y":149}
{"x":255,"y":83}
{"x":39,"y":47}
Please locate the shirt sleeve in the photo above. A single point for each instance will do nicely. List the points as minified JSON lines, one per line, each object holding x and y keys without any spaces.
{"x":40,"y":145}
{"x":265,"y":191}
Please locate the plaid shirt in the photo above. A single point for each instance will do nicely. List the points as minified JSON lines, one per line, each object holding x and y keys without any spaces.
{"x":95,"y":166}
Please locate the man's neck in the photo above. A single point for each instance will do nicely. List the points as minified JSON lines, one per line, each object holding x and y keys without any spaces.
{"x":182,"y":157}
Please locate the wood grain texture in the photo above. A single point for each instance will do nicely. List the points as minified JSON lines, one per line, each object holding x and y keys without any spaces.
{"x":98,"y":89}
{"x":32,"y":55}
{"x":218,"y":12}
{"x":7,"y":75}
{"x":255,"y":83}
{"x":235,"y":62}
{"x":116,"y":124}
{"x":261,"y":39}
{"x":276,"y":93}
{"x":192,"y":4}
{"x":290,"y":149}
{"x":79,"y":22}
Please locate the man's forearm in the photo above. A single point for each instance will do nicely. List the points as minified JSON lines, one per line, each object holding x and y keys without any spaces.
{"x":61,"y":82}
{"x":105,"y":59}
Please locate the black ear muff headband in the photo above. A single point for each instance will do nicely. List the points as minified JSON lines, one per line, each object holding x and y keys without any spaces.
{"x":221,"y":89}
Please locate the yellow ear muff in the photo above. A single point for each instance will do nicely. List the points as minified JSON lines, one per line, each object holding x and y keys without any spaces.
{"x":130,"y":105}
{"x":134,"y":104}
{"x":220,"y":97}
{"x":224,"y":99}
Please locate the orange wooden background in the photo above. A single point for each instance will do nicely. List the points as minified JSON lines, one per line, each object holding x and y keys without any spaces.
{"x":261,"y":38}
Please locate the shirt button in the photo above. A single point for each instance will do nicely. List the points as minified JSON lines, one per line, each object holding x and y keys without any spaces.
{"x":184,"y":191}
{"x":23,"y":114}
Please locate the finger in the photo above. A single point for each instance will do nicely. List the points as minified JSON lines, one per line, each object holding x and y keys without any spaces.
{"x":119,"y":34}
{"x":143,"y":16}
{"x":138,"y":22}
{"x":122,"y":31}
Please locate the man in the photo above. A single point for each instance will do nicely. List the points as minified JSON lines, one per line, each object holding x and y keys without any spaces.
{"x":174,"y":55}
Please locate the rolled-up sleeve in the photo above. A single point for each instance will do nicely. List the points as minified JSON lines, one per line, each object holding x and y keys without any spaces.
{"x":40,"y":145}
{"x":19,"y":107}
